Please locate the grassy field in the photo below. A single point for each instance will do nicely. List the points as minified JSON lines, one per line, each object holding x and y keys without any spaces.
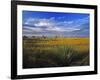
{"x":55,"y":52}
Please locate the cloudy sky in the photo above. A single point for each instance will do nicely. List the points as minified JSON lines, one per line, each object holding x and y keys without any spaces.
{"x":55,"y":23}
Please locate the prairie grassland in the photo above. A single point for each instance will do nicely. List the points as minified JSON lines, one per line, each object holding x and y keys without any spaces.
{"x":55,"y":52}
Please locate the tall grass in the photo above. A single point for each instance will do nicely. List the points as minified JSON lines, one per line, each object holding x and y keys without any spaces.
{"x":55,"y":56}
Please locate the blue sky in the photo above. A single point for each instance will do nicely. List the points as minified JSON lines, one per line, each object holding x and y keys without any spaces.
{"x":55,"y":23}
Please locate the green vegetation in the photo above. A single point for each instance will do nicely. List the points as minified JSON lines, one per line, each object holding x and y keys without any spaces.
{"x":55,"y":52}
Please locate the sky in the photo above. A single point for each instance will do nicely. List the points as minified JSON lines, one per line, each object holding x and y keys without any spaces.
{"x":52,"y":24}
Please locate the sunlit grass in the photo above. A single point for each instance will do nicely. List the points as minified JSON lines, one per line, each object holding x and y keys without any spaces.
{"x":55,"y":52}
{"x":80,"y":44}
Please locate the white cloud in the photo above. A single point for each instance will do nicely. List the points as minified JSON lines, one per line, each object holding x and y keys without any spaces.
{"x":33,"y":29}
{"x":40,"y":22}
{"x":39,"y":25}
{"x":43,"y":24}
{"x":59,"y":29}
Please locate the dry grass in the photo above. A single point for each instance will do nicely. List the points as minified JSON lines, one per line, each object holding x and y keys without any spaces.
{"x":53,"y":52}
{"x":79,"y":44}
